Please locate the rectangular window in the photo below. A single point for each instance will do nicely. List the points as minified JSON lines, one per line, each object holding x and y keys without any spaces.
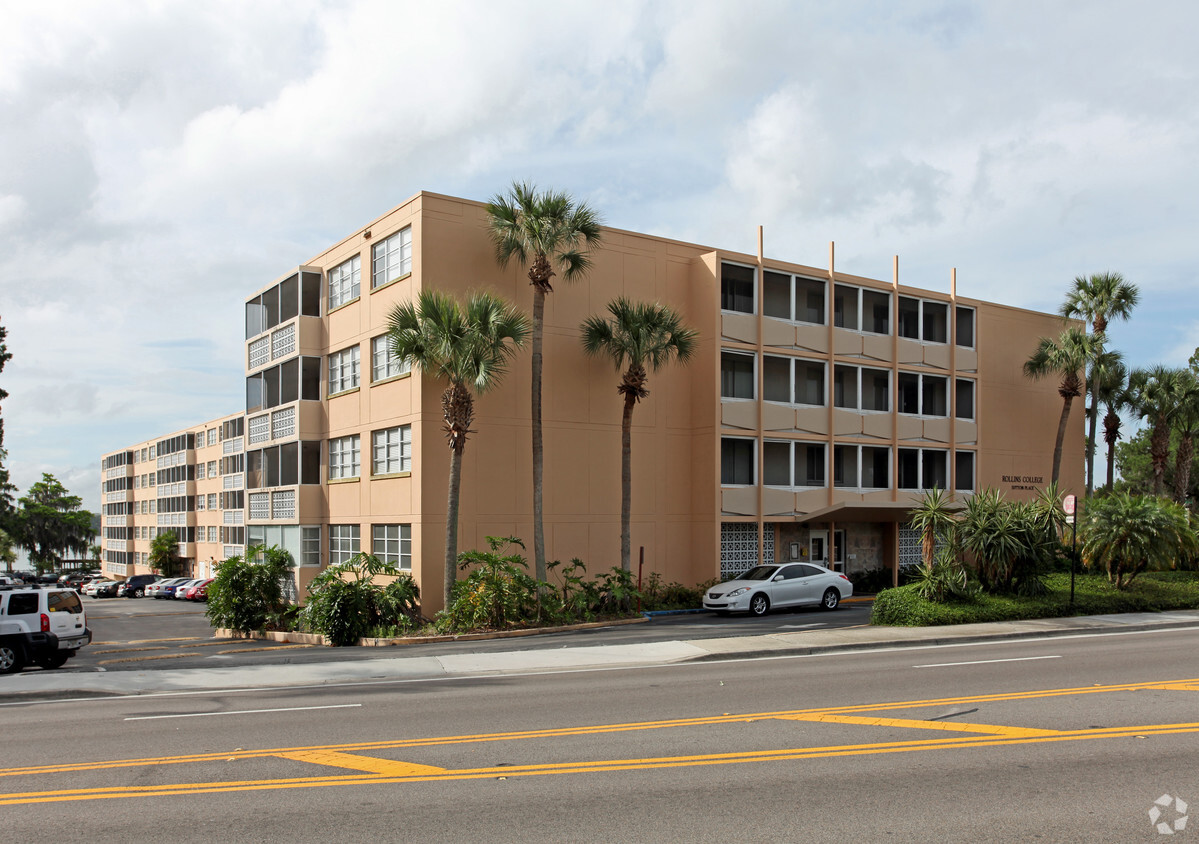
{"x":392,"y":257}
{"x":776,"y":463}
{"x":776,"y":378}
{"x":845,"y":307}
{"x":392,"y":450}
{"x":845,"y":387}
{"x":965,"y":327}
{"x":343,"y":370}
{"x":736,"y":288}
{"x":935,"y":468}
{"x":212,"y":533}
{"x":964,"y":399}
{"x":809,"y":301}
{"x":736,"y":461}
{"x":876,"y":389}
{"x":383,"y":363}
{"x":936,"y":322}
{"x":776,"y":295}
{"x":876,"y":312}
{"x":809,"y":383}
{"x":845,"y":466}
{"x":344,"y":457}
{"x":876,"y":467}
{"x":310,"y":546}
{"x":909,"y":318}
{"x":212,"y":436}
{"x":809,"y":464}
{"x":343,"y":543}
{"x":963,"y":471}
{"x":736,"y":376}
{"x":909,"y":468}
{"x":923,"y":395}
{"x":344,"y":282}
{"x":393,"y":544}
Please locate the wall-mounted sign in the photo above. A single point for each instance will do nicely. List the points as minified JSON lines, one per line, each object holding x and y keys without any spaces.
{"x":1029,"y":482}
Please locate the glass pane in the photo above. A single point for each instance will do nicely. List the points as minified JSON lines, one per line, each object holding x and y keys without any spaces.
{"x":964,"y":470}
{"x":936,"y":469}
{"x":809,"y":383}
{"x":289,"y":298}
{"x":909,"y":468}
{"x":736,"y":461}
{"x":809,"y":300}
{"x":776,"y":468}
{"x":875,"y":389}
{"x":909,"y":318}
{"x":875,"y":467}
{"x":908,"y":392}
{"x":845,"y":466}
{"x":776,"y":295}
{"x":845,"y":307}
{"x":964,"y":401}
{"x":736,"y":376}
{"x":776,"y":379}
{"x":737,"y":288}
{"x":965,"y":327}
{"x":936,"y":322}
{"x":876,"y":312}
{"x":845,"y":387}
{"x":935,"y":400}
{"x":809,"y":464}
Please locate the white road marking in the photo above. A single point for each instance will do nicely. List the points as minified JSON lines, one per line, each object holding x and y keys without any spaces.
{"x":801,"y":626}
{"x":984,"y":661}
{"x":241,"y":712}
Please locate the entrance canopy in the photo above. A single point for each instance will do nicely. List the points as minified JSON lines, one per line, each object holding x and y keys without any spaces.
{"x":883,"y":511}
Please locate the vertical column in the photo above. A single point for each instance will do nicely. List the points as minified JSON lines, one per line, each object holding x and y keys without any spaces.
{"x":953,"y":383}
{"x":759,"y":308}
{"x":829,"y":364}
{"x":895,"y":379}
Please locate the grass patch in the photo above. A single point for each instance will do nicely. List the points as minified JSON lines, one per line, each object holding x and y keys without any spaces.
{"x":1093,"y":595}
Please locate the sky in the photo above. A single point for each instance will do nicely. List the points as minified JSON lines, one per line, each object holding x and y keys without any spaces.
{"x":160,"y":161}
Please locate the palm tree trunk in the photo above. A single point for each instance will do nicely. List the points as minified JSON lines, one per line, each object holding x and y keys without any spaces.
{"x":1182,"y":466}
{"x":1061,"y":438}
{"x":1111,"y":432}
{"x":451,"y":525}
{"x":1159,"y":453}
{"x":1092,"y":424}
{"x":626,"y":482}
{"x":538,"y":448}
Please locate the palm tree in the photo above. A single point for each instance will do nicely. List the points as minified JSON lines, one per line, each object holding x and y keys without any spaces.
{"x":552,"y":234}
{"x":1098,"y":299}
{"x":1066,"y":357}
{"x":1125,"y":535}
{"x":1112,"y":390}
{"x":931,"y":518}
{"x":1186,"y":422}
{"x":1155,"y":395}
{"x":468,"y":346}
{"x":637,"y":336}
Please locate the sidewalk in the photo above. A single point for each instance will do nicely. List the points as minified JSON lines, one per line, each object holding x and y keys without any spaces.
{"x":149,"y":681}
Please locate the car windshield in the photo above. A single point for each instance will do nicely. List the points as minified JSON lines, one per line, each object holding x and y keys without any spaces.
{"x":759,"y":573}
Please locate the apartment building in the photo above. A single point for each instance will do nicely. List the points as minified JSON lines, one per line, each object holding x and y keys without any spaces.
{"x":190,"y":483}
{"x":819,"y":407}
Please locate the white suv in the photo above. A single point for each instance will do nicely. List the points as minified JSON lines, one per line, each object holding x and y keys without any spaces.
{"x":41,"y":626}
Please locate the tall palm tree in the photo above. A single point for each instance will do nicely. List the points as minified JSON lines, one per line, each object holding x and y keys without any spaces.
{"x":1112,"y":390}
{"x":469,"y":346}
{"x":638,"y":335}
{"x":1155,"y":395}
{"x":931,"y":518}
{"x":551,"y":234}
{"x":1066,"y":357}
{"x":1186,"y":422}
{"x":1098,"y":299}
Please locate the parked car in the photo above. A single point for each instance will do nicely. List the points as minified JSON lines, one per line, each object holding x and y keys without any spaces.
{"x":193,"y":590}
{"x":181,"y":589}
{"x":41,"y":626}
{"x":167,"y":589}
{"x":776,"y":586}
{"x":91,"y":586}
{"x":155,"y":590}
{"x":135,"y":586}
{"x":202,"y":589}
{"x":73,"y":580}
{"x":105,"y":588}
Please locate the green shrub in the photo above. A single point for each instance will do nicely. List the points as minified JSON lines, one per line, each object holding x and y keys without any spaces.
{"x":246,"y":595}
{"x":496,"y":595}
{"x":1094,"y":595}
{"x":656,"y":597}
{"x":870,"y":582}
{"x":345,"y":603}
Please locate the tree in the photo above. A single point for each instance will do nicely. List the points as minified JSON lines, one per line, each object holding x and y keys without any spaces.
{"x":1098,"y":299}
{"x":1186,"y":423}
{"x":470,"y":347}
{"x":163,"y":554}
{"x":6,"y":488}
{"x":49,"y":523}
{"x":245,"y":595}
{"x":1156,"y":395}
{"x":638,"y":335}
{"x":1066,"y":357}
{"x":8,"y":554}
{"x":1111,"y":388}
{"x":1125,"y":535}
{"x":932,"y":518}
{"x":551,"y":234}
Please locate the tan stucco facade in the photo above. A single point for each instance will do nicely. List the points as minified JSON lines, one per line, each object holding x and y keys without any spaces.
{"x":830,"y":383}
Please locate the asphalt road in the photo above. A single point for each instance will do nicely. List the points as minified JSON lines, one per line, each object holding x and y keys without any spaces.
{"x":1068,"y":739}
{"x":132,"y":635}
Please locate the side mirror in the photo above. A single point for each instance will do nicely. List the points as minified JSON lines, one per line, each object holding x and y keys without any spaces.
{"x":777,"y":578}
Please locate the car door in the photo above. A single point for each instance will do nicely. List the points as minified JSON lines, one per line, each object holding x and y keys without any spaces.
{"x":66,"y":614}
{"x":787,"y":587}
{"x":812,"y":582}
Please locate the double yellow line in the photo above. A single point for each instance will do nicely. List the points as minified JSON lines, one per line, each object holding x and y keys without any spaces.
{"x":369,"y":770}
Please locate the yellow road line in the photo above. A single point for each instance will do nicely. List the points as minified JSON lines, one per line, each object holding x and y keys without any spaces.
{"x":950,"y":726}
{"x":561,"y":732}
{"x":127,"y":651}
{"x":601,"y":766}
{"x":140,"y":658}
{"x":368,"y":764}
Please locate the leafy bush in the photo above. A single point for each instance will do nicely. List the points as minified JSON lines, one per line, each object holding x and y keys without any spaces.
{"x":656,"y":597}
{"x":1125,"y":535}
{"x":1094,"y":595}
{"x":870,"y":582}
{"x":346,"y":604}
{"x":496,"y":595}
{"x":247,"y":595}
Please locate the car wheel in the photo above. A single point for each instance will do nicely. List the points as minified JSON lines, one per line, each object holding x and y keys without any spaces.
{"x":137,"y":593}
{"x":759,"y":605}
{"x":57,"y":660}
{"x":11,"y":660}
{"x":830,"y":600}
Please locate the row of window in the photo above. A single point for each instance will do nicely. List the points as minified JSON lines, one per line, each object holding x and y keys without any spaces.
{"x":299,"y":378}
{"x":390,"y":543}
{"x":391,"y":452}
{"x":800,"y":381}
{"x":344,"y":365}
{"x":805,"y":300}
{"x":390,"y":259}
{"x":798,"y":465}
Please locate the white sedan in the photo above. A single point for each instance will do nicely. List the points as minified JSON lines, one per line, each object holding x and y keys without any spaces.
{"x":776,"y":586}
